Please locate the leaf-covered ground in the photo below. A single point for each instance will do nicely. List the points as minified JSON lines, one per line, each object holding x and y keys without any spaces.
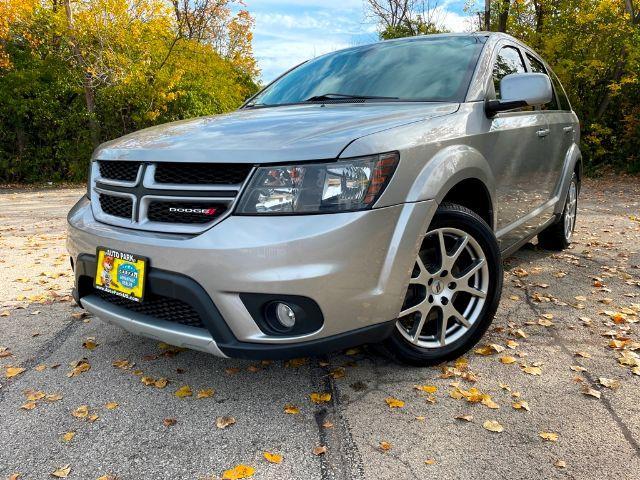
{"x":553,"y":391}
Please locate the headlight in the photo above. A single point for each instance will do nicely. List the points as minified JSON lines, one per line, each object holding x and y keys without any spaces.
{"x":344,"y":185}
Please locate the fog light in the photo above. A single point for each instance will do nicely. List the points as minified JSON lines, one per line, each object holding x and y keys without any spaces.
{"x":285,"y":315}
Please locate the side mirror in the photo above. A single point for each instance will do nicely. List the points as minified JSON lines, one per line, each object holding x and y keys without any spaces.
{"x":521,"y":90}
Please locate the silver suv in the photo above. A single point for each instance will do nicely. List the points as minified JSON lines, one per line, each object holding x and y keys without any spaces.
{"x":365,"y":196}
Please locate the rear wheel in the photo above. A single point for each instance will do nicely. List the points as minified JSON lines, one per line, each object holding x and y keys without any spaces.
{"x":558,"y":236}
{"x":453,"y":292}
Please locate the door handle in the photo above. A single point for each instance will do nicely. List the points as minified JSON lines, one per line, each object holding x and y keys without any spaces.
{"x":568,"y":129}
{"x":543,"y":132}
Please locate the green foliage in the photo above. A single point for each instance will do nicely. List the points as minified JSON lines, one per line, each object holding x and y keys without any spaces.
{"x":136,"y":65}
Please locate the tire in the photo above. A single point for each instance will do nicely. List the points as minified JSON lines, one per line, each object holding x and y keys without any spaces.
{"x":558,"y":236}
{"x":438,"y":289}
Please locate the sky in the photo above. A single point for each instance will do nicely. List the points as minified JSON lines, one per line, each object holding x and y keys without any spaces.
{"x":288,"y":32}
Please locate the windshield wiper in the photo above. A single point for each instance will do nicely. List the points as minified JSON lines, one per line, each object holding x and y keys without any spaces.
{"x":341,"y":96}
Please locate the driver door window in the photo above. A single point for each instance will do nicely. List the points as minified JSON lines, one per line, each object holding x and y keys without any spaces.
{"x":509,"y":61}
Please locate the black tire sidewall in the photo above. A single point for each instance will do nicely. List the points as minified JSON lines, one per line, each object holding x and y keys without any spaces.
{"x":454,"y":216}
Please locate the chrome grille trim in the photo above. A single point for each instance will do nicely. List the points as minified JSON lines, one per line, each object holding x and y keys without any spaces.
{"x":145,"y":190}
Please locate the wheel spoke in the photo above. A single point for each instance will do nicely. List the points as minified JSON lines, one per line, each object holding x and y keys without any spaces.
{"x":443,"y":329}
{"x":419,"y":308}
{"x":417,"y":328}
{"x":460,"y":318}
{"x":443,"y":250}
{"x":476,"y":292}
{"x":471,"y":270}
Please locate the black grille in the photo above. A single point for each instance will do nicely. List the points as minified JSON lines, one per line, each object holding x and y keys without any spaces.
{"x":116,"y":206}
{"x":202,"y":173}
{"x":183,"y":212}
{"x":157,"y":306}
{"x":121,"y":171}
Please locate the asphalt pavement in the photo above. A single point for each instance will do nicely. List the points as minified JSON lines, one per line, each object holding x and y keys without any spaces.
{"x":567,"y":329}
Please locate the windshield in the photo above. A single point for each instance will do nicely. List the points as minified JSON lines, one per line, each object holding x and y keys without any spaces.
{"x":436,"y":69}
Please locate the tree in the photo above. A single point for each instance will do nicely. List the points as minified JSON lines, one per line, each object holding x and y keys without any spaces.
{"x":406,"y":18}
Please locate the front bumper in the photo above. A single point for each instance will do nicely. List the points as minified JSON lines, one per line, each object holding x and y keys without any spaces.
{"x":355,"y":266}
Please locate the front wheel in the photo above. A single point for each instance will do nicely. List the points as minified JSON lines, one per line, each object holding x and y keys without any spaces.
{"x":453,"y":292}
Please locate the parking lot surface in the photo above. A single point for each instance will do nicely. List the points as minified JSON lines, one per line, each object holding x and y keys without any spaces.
{"x":553,"y":390}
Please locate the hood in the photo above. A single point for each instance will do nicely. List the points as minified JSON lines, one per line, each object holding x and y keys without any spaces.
{"x":266,"y":135}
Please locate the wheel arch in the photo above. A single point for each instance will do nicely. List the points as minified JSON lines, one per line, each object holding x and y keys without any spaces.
{"x":458,"y":174}
{"x":572,"y":164}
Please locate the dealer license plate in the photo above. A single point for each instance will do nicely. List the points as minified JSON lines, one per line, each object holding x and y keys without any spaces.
{"x":121,"y":273}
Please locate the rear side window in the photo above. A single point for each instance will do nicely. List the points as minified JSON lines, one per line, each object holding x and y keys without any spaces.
{"x":538,"y":67}
{"x":509,"y":61}
{"x":562,"y":96}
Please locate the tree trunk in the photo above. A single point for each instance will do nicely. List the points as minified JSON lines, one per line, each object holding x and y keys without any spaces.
{"x":89,"y":96}
{"x":487,"y":15}
{"x":539,"y":16}
{"x":504,"y":16}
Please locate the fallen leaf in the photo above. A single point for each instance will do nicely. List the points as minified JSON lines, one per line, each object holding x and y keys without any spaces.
{"x":40,"y":368}
{"x":512,"y":344}
{"x":81,"y":412}
{"x":591,"y":391}
{"x":4,"y":313}
{"x":33,"y":396}
{"x":206,"y":393}
{"x":291,"y":409}
{"x":577,"y":368}
{"x":62,"y":472}
{"x":161,"y":383}
{"x":493,"y":426}
{"x":320,"y":450}
{"x":90,"y":343}
{"x":385,"y":446}
{"x":79,"y":367}
{"x":28,"y":406}
{"x":531,"y":370}
{"x":67,"y":437}
{"x":521,"y":405}
{"x":545,"y":323}
{"x":147,"y":380}
{"x":338,"y":372}
{"x":238,"y":472}
{"x":184,"y":391}
{"x":489,"y":349}
{"x":426,"y":388}
{"x":13,"y":371}
{"x":394,"y":402}
{"x":169,"y":422}
{"x":466,"y":418}
{"x":507,"y":359}
{"x":609,"y":383}
{"x":111,"y":405}
{"x":327,"y":424}
{"x":549,"y":436}
{"x":224,"y":422}
{"x":430,"y":461}
{"x":560,"y":464}
{"x":318,"y":398}
{"x":53,"y":397}
{"x":272,"y":457}
{"x":583,"y":354}
{"x":231,"y":370}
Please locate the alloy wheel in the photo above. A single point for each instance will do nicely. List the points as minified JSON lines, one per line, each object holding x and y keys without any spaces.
{"x":447,"y":289}
{"x":571,"y":209}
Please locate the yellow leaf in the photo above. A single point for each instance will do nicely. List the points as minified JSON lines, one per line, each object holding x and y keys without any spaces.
{"x":184,"y":391}
{"x":512,"y":344}
{"x":318,"y":398}
{"x":79,"y":367}
{"x":549,"y":436}
{"x":169,"y":422}
{"x":13,"y":371}
{"x":507,"y":359}
{"x":40,"y":368}
{"x":53,"y":397}
{"x":111,"y":405}
{"x":272,"y":457}
{"x":206,"y":393}
{"x":4,"y":313}
{"x":609,"y":383}
{"x":33,"y":396}
{"x":160,"y":383}
{"x":81,"y":412}
{"x":521,"y":405}
{"x":224,"y":422}
{"x":90,"y":343}
{"x":426,"y":388}
{"x":62,"y":472}
{"x":532,"y":370}
{"x":489,"y":349}
{"x":67,"y":437}
{"x":291,"y":409}
{"x":147,"y":381}
{"x":591,"y":392}
{"x":583,"y":354}
{"x":493,"y":426}
{"x":385,"y":446}
{"x":28,"y":406}
{"x":238,"y":472}
{"x":560,"y":464}
{"x":394,"y":402}
{"x":429,"y":461}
